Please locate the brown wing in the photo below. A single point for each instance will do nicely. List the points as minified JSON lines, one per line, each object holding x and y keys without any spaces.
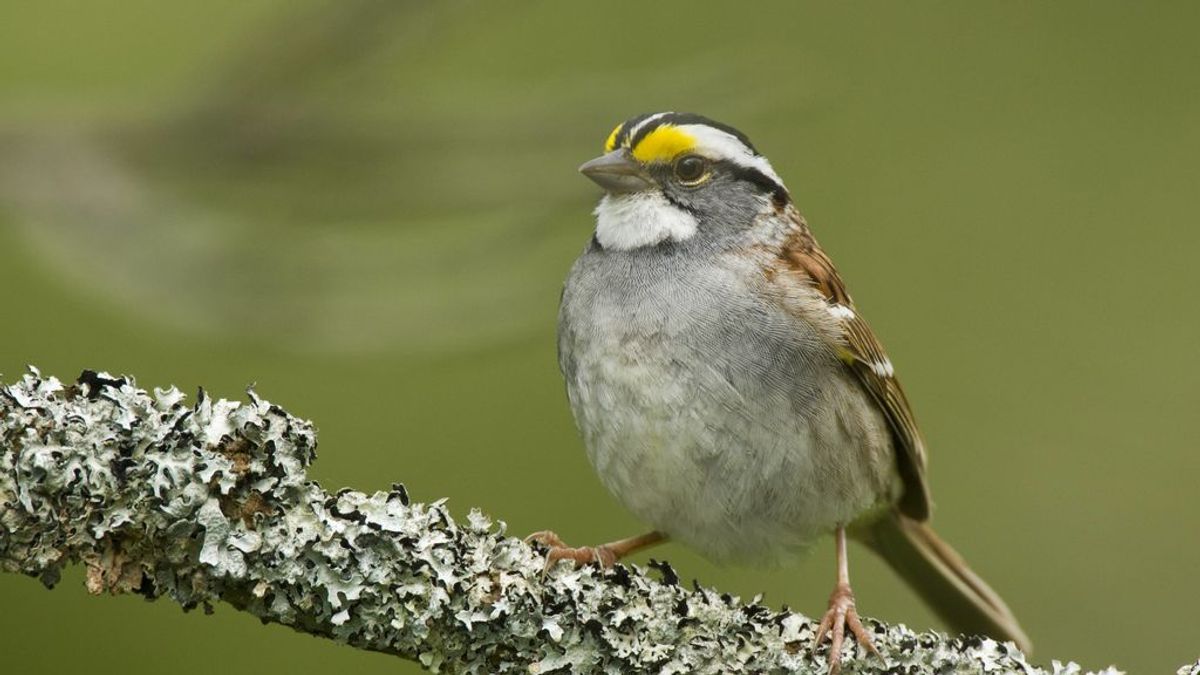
{"x":865,"y":356}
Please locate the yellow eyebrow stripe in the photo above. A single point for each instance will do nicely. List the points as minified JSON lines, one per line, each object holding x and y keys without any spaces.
{"x":663,"y":144}
{"x":611,"y":143}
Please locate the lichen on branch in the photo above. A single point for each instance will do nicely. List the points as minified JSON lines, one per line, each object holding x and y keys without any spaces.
{"x":210,"y":501}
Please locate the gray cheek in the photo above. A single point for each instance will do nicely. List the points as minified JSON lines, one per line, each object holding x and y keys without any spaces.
{"x":730,"y":207}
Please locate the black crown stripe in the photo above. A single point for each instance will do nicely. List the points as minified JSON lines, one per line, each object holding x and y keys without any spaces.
{"x":623,"y":134}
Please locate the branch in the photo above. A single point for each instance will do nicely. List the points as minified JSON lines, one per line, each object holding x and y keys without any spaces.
{"x":208,"y":502}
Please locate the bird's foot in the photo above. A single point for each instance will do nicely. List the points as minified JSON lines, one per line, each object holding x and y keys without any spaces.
{"x":557,"y":549}
{"x":840,"y":616}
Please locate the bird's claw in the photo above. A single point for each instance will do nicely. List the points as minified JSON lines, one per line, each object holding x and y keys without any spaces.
{"x":557,"y":549}
{"x":841,"y":615}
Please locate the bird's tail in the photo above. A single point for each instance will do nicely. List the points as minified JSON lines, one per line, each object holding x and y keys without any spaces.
{"x":941,"y":577}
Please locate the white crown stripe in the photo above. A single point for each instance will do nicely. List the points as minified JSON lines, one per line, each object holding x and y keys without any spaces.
{"x":649,"y":120}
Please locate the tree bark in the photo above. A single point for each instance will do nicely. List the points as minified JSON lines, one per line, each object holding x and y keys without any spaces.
{"x":210,"y":501}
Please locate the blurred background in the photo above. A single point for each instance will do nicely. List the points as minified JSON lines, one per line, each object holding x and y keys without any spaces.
{"x":368,"y":209}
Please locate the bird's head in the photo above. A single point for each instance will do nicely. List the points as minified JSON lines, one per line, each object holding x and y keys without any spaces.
{"x":669,"y":176}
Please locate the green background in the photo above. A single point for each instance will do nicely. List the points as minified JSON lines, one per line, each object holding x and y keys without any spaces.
{"x":368,"y":209}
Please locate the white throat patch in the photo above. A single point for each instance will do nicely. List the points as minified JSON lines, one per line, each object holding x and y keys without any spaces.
{"x":638,"y":219}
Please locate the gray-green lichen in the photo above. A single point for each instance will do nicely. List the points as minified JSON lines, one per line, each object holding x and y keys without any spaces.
{"x":210,"y":501}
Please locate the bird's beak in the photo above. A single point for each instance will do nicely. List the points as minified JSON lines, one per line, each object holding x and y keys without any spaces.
{"x":617,"y":172}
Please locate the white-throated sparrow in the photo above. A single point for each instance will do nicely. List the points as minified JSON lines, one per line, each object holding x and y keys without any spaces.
{"x":728,"y":391}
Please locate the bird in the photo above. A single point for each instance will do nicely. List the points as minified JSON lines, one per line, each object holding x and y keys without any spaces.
{"x":727,"y":389}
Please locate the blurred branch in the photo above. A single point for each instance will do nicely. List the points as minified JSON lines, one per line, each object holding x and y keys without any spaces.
{"x":276,"y":89}
{"x":210,"y":501}
{"x":295,"y":165}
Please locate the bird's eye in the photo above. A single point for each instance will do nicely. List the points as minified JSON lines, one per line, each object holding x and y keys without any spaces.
{"x":690,"y":168}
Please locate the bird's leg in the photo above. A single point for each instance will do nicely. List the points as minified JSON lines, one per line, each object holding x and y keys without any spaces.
{"x":841,"y":613}
{"x":605,"y":555}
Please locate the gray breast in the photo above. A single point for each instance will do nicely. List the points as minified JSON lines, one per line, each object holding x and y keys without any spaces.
{"x":708,"y":411}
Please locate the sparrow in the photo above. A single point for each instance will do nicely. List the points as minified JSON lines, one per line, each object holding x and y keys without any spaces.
{"x":729,"y":392}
